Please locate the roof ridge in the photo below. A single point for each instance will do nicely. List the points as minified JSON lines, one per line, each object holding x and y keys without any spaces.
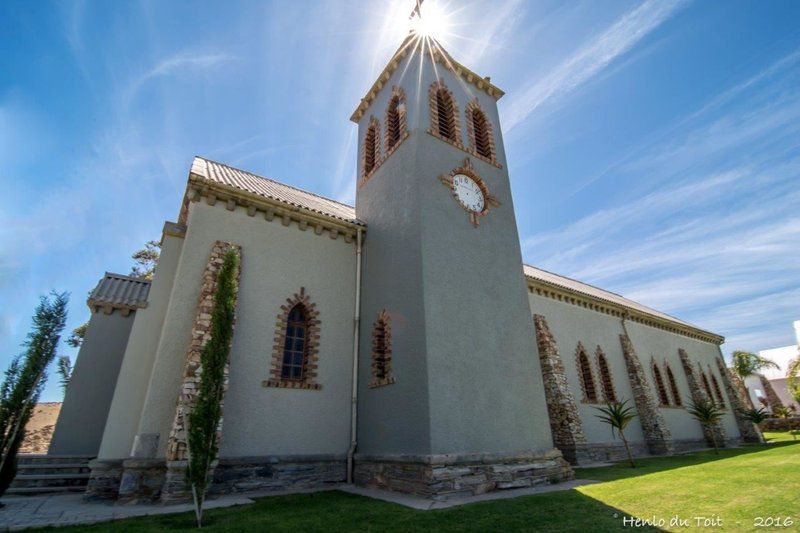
{"x":653,"y":309}
{"x":275,"y":181}
{"x":127,"y":277}
{"x":584,"y":283}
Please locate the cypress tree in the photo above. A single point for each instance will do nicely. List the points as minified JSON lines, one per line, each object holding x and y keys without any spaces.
{"x":204,"y":419}
{"x":25,"y":379}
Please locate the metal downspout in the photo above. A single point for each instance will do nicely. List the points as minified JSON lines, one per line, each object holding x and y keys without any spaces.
{"x":354,"y":393}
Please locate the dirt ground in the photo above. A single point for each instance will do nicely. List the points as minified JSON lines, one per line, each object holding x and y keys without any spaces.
{"x":39,"y":430}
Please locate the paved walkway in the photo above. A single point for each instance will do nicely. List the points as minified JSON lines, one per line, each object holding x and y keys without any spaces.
{"x":69,"y":509}
{"x":423,"y":504}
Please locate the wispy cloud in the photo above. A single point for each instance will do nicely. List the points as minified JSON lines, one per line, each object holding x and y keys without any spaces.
{"x":709,"y":229}
{"x":185,"y":60}
{"x":590,"y":60}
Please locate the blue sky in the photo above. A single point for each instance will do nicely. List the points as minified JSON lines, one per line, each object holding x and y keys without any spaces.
{"x":653,"y":147}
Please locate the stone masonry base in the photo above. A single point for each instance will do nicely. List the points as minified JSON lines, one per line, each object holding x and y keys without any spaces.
{"x":151,"y":480}
{"x":241,"y":474}
{"x":600,"y":452}
{"x":104,"y":480}
{"x":440,"y":477}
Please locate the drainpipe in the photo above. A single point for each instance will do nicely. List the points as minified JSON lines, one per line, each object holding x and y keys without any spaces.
{"x":354,"y":393}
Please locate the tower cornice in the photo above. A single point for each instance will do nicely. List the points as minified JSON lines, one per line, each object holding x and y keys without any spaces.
{"x":440,"y":55}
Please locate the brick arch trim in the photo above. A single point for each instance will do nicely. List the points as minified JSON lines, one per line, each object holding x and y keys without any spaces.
{"x":661,"y":387}
{"x":606,"y":379}
{"x":382,"y":351}
{"x":395,"y":120}
{"x":309,"y":379}
{"x":451,"y":119}
{"x":371,"y":158}
{"x":586,"y":375}
{"x":673,"y":385}
{"x":473,"y":108}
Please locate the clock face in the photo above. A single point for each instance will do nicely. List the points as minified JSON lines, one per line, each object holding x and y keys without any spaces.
{"x":469,"y":193}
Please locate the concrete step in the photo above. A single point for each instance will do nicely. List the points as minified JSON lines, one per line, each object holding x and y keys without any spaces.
{"x":44,"y":477}
{"x":38,"y":459}
{"x":44,"y":474}
{"x":36,"y":470}
{"x":33,"y":491}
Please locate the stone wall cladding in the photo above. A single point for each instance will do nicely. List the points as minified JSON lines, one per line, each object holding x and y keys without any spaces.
{"x":104,"y":480}
{"x":656,"y":432}
{"x":444,"y":477}
{"x":277,"y":473}
{"x":602,"y":452}
{"x":309,"y":380}
{"x":142,"y":481}
{"x":737,"y":382}
{"x":698,"y":396}
{"x":201,"y":333}
{"x":565,"y":422}
{"x":748,"y":431}
{"x":772,"y":398}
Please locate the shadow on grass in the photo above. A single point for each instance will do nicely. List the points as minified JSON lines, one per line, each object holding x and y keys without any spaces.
{"x":334,"y":511}
{"x":650,"y":465}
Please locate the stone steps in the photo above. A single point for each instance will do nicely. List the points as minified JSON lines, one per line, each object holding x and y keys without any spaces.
{"x":46,"y":474}
{"x":35,"y":491}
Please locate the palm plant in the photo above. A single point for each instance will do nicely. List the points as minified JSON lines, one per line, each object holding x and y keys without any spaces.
{"x":618,"y":415}
{"x":709,"y":416}
{"x":793,"y":379}
{"x":746,"y":364}
{"x":756,"y":416}
{"x":782,"y":411}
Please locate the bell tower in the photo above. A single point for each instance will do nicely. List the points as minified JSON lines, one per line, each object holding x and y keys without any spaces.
{"x":449,"y":373}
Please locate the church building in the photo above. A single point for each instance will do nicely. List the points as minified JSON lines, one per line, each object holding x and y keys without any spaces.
{"x":400,"y":344}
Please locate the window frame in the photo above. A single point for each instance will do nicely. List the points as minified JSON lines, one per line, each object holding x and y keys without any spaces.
{"x":310,"y":357}
{"x":586,"y":376}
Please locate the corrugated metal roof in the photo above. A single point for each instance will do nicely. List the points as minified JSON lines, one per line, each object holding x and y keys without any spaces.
{"x":252,"y":183}
{"x":595,"y":292}
{"x":118,"y":291}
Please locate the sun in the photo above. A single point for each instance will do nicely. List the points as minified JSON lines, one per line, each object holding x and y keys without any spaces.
{"x":433,"y":22}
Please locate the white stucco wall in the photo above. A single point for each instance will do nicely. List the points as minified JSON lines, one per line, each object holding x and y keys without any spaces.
{"x":571,"y":324}
{"x":81,"y":422}
{"x":277,"y":261}
{"x":137,"y":365}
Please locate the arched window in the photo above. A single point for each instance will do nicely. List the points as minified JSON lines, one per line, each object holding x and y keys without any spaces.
{"x":663,"y":398}
{"x":707,"y":387}
{"x":676,"y":396}
{"x":395,"y":118}
{"x":371,"y":140}
{"x":382,"y":351}
{"x":479,"y":130}
{"x":717,"y":391}
{"x":295,"y":352}
{"x":587,"y":379}
{"x":605,"y":378}
{"x":294,"y":345}
{"x":444,"y":113}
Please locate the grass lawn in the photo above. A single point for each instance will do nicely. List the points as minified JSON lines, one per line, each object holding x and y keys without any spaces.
{"x":738,"y":485}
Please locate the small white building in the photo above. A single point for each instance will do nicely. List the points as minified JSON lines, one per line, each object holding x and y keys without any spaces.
{"x":772,"y":382}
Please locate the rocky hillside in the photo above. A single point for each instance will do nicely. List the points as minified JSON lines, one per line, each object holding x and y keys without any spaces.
{"x":39,"y":430}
